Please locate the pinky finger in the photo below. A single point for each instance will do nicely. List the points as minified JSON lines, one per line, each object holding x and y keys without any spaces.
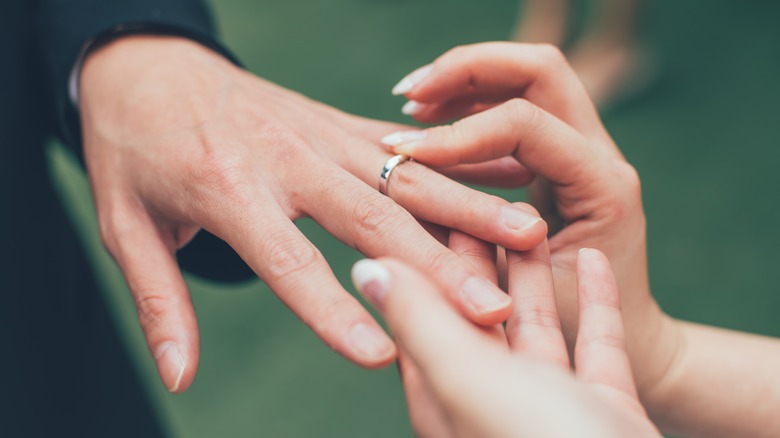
{"x":600,"y":352}
{"x":161,"y":297}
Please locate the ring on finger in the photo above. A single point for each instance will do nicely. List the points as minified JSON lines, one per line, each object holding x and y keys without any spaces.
{"x":387,"y":169}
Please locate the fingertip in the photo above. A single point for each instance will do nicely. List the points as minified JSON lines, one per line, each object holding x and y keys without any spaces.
{"x":484,"y":303}
{"x":525,"y":224}
{"x":372,"y":279}
{"x":412,"y":108}
{"x":370,"y":345}
{"x":493,"y":316}
{"x":592,"y":264}
{"x":173,"y":367}
{"x":412,"y":80}
{"x":591,"y":255}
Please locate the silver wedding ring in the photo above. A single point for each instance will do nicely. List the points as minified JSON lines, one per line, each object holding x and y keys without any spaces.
{"x":390,"y":164}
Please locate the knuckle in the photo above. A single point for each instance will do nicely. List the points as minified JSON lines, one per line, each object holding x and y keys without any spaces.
{"x":442,"y":260}
{"x":151,"y":307}
{"x":550,"y":56}
{"x":522,"y":117}
{"x":476,"y":253}
{"x":527,"y":263}
{"x":222,"y":174}
{"x":287,"y":254}
{"x":520,"y":111}
{"x":107,"y":234}
{"x":625,"y":191}
{"x":629,"y":179}
{"x":609,"y":340}
{"x":456,"y":52}
{"x":540,"y":316}
{"x":289,"y":145}
{"x":534,"y":314}
{"x":114,"y":223}
{"x":373,"y":213}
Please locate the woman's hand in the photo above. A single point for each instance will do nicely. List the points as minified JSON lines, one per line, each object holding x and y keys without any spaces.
{"x":524,"y":101}
{"x":177,"y":139}
{"x":466,"y":380}
{"x":536,"y":110}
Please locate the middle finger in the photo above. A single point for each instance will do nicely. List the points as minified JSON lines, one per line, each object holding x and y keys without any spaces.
{"x":376,"y":226}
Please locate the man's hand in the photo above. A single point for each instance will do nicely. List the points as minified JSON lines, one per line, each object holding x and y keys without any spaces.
{"x":177,"y":139}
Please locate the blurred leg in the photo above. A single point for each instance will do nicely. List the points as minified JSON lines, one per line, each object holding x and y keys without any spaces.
{"x":608,"y":56}
{"x":541,"y":21}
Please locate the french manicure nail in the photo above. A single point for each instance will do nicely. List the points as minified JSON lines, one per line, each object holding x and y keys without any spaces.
{"x":411,"y":108}
{"x":412,"y":80}
{"x":171,"y":364}
{"x":483,"y":296}
{"x":517,"y":218}
{"x":403,"y":137}
{"x":369,"y":342}
{"x":372,"y":280}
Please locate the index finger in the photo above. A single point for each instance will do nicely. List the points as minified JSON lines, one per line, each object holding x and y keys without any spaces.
{"x":441,"y":342}
{"x":539,"y":141}
{"x":497,"y":71}
{"x":299,"y":275}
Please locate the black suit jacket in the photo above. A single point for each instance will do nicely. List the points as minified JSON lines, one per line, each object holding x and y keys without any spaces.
{"x":63,"y":370}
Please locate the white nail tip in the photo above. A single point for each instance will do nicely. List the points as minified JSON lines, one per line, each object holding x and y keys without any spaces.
{"x":411,"y":80}
{"x":366,"y":271}
{"x":403,"y":87}
{"x":169,"y":356}
{"x":410,"y":108}
{"x":176,"y":384}
{"x":398,"y":138}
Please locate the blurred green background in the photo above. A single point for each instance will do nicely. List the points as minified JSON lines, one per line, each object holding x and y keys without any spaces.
{"x":705,"y":139}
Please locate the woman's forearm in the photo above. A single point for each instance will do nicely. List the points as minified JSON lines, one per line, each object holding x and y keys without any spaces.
{"x":722,"y":384}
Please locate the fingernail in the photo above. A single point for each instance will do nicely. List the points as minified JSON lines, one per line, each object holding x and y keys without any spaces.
{"x":369,"y":341}
{"x":412,"y":80}
{"x":171,"y":364}
{"x":517,"y":218}
{"x":372,"y":280}
{"x":404,"y":138}
{"x":588,"y":253}
{"x":411,"y":108}
{"x":483,"y":296}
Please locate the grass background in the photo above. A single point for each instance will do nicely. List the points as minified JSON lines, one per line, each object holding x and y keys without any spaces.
{"x":704,"y":138}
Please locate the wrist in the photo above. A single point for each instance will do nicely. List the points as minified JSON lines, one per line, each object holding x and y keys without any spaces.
{"x":666,"y":359}
{"x":152,"y":83}
{"x":129,"y":59}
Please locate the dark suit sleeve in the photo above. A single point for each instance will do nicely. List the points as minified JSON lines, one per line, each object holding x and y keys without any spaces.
{"x":66,"y":27}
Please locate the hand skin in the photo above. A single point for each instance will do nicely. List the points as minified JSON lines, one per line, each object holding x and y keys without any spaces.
{"x":177,"y":139}
{"x":465,"y":381}
{"x":524,"y":101}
